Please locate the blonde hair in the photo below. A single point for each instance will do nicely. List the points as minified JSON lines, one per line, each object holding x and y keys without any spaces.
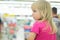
{"x":47,"y":12}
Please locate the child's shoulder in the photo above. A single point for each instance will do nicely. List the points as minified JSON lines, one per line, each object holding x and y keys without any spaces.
{"x":40,"y":22}
{"x":37,"y":22}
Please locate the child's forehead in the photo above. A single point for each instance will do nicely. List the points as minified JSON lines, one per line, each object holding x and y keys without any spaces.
{"x":34,"y":8}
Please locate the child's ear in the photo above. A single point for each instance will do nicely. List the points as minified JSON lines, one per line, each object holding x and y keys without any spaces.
{"x":42,"y":13}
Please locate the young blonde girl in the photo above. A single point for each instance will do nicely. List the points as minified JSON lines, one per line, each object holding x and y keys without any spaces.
{"x":43,"y":28}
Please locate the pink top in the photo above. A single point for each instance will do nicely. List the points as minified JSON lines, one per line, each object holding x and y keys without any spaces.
{"x":42,"y":30}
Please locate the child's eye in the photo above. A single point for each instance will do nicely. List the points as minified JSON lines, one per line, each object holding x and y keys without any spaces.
{"x":34,"y":10}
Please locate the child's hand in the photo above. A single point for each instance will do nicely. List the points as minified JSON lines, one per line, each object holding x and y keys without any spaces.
{"x":31,"y":36}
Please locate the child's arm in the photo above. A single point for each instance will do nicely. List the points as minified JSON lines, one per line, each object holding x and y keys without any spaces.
{"x":31,"y":36}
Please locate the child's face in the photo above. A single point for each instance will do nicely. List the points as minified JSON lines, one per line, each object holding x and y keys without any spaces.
{"x":36,"y":14}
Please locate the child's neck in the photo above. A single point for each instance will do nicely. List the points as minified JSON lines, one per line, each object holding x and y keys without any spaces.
{"x":42,"y":20}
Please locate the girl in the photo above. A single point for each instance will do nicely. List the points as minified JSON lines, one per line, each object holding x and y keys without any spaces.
{"x":43,"y":28}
